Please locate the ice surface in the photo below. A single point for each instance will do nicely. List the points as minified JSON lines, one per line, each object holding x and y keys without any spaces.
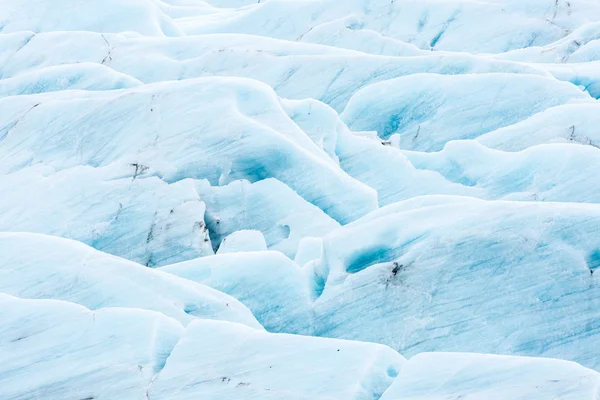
{"x":268,"y":206}
{"x":271,"y":285}
{"x":369,"y":159}
{"x":477,"y":27}
{"x":84,"y":76}
{"x":243,"y":240}
{"x":141,"y":16}
{"x":285,"y":66}
{"x":225,"y":361}
{"x":428,"y":110}
{"x":44,"y":267}
{"x":111,"y":209}
{"x":573,"y":123}
{"x":175,"y":130}
{"x":59,"y":350}
{"x":440,"y":376}
{"x":187,"y":183}
{"x":578,"y":46}
{"x":467,"y":275}
{"x":548,"y":172}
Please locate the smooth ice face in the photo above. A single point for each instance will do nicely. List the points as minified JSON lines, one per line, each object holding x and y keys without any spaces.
{"x":581,"y":45}
{"x":550,"y":172}
{"x":224,"y":361}
{"x":271,"y":285}
{"x":428,"y":110}
{"x":44,"y":267}
{"x":334,"y":74}
{"x":441,"y":376}
{"x":268,"y":206}
{"x":86,"y":76}
{"x":241,"y":241}
{"x":220,"y":129}
{"x":369,"y":159}
{"x":572,"y":123}
{"x":477,"y":27}
{"x":112,"y":209}
{"x":55,"y":349}
{"x":141,"y":16}
{"x":467,"y":275}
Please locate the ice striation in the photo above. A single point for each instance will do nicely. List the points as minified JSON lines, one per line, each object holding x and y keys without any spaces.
{"x":282,"y":199}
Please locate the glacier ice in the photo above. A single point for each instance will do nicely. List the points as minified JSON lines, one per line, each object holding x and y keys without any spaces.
{"x":224,"y":361}
{"x":429,"y":24}
{"x":35,"y":266}
{"x":547,"y":172}
{"x":267,"y":199}
{"x":243,"y":240}
{"x":112,"y":209}
{"x":438,"y":376}
{"x":467,"y":275}
{"x":242,"y":205}
{"x":335,"y":75}
{"x":140,"y":16}
{"x":271,"y":285}
{"x":265,"y":143}
{"x":55,"y":349}
{"x":428,"y":110}
{"x":572,"y":123}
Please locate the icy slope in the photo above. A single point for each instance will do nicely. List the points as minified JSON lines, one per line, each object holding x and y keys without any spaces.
{"x":429,"y":110}
{"x":187,"y":184}
{"x":55,"y":349}
{"x":44,"y":267}
{"x":281,"y":303}
{"x":492,"y":26}
{"x":437,"y":376}
{"x":224,"y":361}
{"x":446,"y":275}
{"x":59,"y":350}
{"x":257,"y":140}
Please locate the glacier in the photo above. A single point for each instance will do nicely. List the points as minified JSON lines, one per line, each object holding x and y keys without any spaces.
{"x":300,"y":199}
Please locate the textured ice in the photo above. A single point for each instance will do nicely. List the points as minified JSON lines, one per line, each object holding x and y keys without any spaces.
{"x":37,"y":266}
{"x":258,"y":140}
{"x":363,"y":157}
{"x":242,"y":241}
{"x":140,"y":16}
{"x":549,"y":172}
{"x":573,"y":123}
{"x":188,"y":184}
{"x":285,"y":66}
{"x":428,"y":110}
{"x":446,"y":273}
{"x":431,"y":24}
{"x":281,"y":303}
{"x":441,"y":376}
{"x":59,"y":350}
{"x":225,"y":361}
{"x":84,"y":76}
{"x":268,"y":206}
{"x":581,"y":45}
{"x":112,"y":209}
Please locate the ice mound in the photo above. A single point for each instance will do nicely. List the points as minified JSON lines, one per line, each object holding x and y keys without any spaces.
{"x":437,"y":376}
{"x":44,"y":267}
